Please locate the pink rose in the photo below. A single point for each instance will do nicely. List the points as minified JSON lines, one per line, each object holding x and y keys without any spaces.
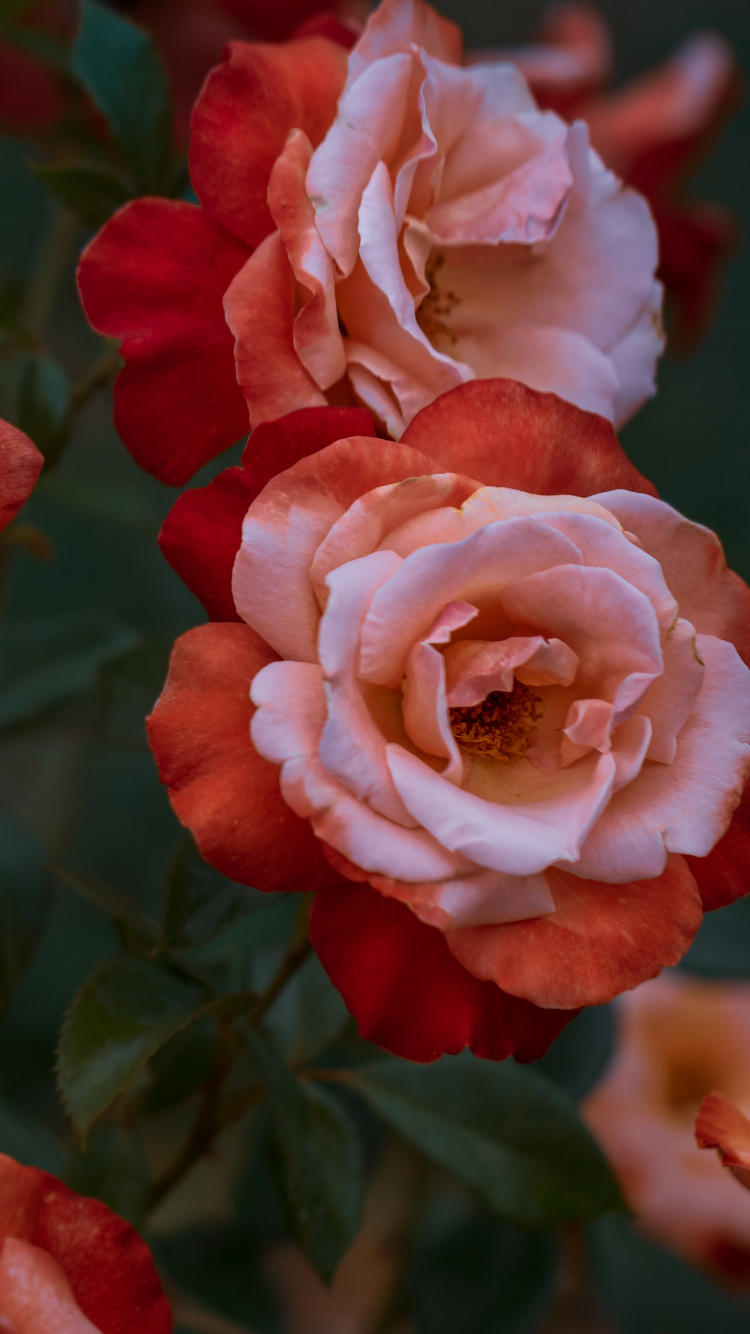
{"x":513,"y":713}
{"x":679,"y":1037}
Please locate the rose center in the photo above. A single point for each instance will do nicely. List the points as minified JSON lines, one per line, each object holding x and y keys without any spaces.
{"x":501,"y":727}
{"x":437,"y":305}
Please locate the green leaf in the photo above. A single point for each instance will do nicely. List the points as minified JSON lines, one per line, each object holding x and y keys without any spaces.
{"x":121,"y":906}
{"x":131,"y":684}
{"x":119,"y":66}
{"x":26,"y":896}
{"x":505,"y":1131}
{"x":646,"y":1290}
{"x":316,"y":1158}
{"x":201,"y":903}
{"x":308,"y":1015}
{"x":180,"y":1067}
{"x":481,"y":1276}
{"x":43,"y":403}
{"x":112,"y":1168}
{"x":126,"y":1011}
{"x":46,"y":662}
{"x":92,"y":193}
{"x":578,"y":1058}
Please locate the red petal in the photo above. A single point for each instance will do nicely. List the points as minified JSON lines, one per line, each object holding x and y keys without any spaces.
{"x":274,"y":22}
{"x":203,"y":530}
{"x":30,"y":96}
{"x":330,"y":25}
{"x":109,"y":1268}
{"x":509,"y":435}
{"x":218,"y":784}
{"x":724,"y":875}
{"x":243,"y":116}
{"x":696,"y":239}
{"x":720,"y":1125}
{"x":20,"y":465}
{"x":601,"y":940}
{"x":155,"y":276}
{"x":409,"y":994}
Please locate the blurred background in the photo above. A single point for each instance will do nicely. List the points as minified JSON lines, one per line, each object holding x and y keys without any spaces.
{"x":89,"y":611}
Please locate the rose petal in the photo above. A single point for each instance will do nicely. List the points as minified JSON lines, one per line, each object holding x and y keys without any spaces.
{"x":287,"y":523}
{"x":35,"y":1295}
{"x":406,"y":990}
{"x":219,"y":786}
{"x":398,"y":24}
{"x":600,"y":940}
{"x":669,"y":701}
{"x":724,"y":875}
{"x":155,"y":277}
{"x":425,"y":710}
{"x":474,"y":668}
{"x":20,"y":465}
{"x":720,"y":1125}
{"x":472,"y":900}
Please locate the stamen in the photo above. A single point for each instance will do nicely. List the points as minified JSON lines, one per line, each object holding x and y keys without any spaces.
{"x":501,"y":727}
{"x":437,"y":306}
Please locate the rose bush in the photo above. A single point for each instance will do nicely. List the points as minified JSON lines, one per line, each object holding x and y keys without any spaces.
{"x":654,"y":132}
{"x":502,"y":710}
{"x":679,"y":1037}
{"x":375,"y":228}
{"x":69,"y":1264}
{"x":20,"y":465}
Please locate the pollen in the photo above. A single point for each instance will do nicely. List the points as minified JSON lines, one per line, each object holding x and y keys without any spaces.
{"x":438,"y":305}
{"x":501,"y":727}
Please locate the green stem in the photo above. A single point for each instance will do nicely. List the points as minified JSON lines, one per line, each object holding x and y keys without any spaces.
{"x":42,"y":288}
{"x":95,"y":378}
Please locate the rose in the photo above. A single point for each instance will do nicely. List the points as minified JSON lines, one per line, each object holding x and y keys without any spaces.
{"x":653,"y":132}
{"x":69,"y":1263}
{"x":382,"y":227}
{"x":575,"y":715}
{"x":20,"y":465}
{"x":678,"y":1037}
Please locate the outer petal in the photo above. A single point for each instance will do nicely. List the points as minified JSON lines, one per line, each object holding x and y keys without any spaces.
{"x":712,"y":597}
{"x":155,"y":277}
{"x":287,"y":523}
{"x":20,"y":465}
{"x":110,"y":1270}
{"x":218,"y":784}
{"x":601,"y":940}
{"x":35,"y":1296}
{"x":202,"y":533}
{"x":409,"y":994}
{"x":720,"y":1125}
{"x":395,"y":25}
{"x":513,"y":436}
{"x":724,"y":875}
{"x":242,"y":119}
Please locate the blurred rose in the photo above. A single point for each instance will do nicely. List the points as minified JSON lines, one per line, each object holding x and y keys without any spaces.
{"x":654,"y":132}
{"x":69,"y":1264}
{"x":378,"y":230}
{"x":505,"y":696}
{"x":20,"y":465}
{"x":679,"y":1038}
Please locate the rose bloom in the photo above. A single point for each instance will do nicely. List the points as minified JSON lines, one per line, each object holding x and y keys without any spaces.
{"x":379,"y":228}
{"x":499,"y":710}
{"x":679,"y":1037}
{"x":654,"y":132}
{"x":20,"y":465}
{"x":69,"y":1264}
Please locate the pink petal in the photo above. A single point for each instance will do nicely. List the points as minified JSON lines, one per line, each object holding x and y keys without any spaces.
{"x":670,"y":700}
{"x":685,"y":806}
{"x":476,"y":567}
{"x":291,"y":710}
{"x":425,"y":710}
{"x":35,"y":1296}
{"x":487,"y":897}
{"x":518,"y":839}
{"x":398,"y":24}
{"x":474,"y":668}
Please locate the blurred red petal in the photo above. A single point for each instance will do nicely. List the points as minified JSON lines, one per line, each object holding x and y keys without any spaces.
{"x":20,"y":465}
{"x":155,"y":276}
{"x":720,"y":1125}
{"x":219,"y":786}
{"x":408,"y":993}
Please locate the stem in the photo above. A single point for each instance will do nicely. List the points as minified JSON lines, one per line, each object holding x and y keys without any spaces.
{"x":197,"y":1317}
{"x":292,"y":961}
{"x":96,"y":377}
{"x":43,"y":284}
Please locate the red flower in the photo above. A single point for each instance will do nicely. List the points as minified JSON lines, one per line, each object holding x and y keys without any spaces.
{"x":69,"y":1263}
{"x":654,"y":133}
{"x":441,"y":973}
{"x":20,"y":465}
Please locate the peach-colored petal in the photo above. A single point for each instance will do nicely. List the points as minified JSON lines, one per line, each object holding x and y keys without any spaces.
{"x":291,"y":710}
{"x":486,"y":897}
{"x":317,"y":338}
{"x":352,"y":747}
{"x":425,"y":709}
{"x":474,"y":668}
{"x":722,"y":1126}
{"x":35,"y":1296}
{"x":607,"y":622}
{"x":468,"y":570}
{"x":372,"y":517}
{"x":522,"y":838}
{"x":669,"y":701}
{"x":630,"y":743}
{"x":685,"y":806}
{"x":398,"y":24}
{"x":713,"y":597}
{"x":634,"y":357}
{"x":286,"y":524}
